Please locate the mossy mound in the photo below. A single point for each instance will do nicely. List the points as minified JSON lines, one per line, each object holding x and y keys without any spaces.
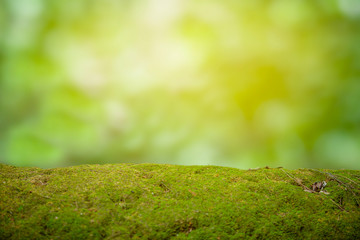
{"x":151,"y":201}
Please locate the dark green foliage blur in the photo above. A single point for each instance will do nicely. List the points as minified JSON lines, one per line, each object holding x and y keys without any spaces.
{"x":233,"y":83}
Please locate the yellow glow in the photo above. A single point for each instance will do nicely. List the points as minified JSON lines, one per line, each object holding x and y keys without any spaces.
{"x":235,"y":83}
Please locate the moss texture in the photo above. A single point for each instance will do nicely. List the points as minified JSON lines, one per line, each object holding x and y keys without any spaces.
{"x":151,"y":201}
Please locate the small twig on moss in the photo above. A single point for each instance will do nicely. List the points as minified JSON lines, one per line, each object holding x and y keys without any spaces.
{"x":163,"y":186}
{"x":40,"y":195}
{"x":254,"y":169}
{"x":350,"y":180}
{"x":331,"y":176}
{"x":347,"y":186}
{"x":43,"y":196}
{"x":311,"y":191}
{"x":297,"y":181}
{"x":341,"y":208}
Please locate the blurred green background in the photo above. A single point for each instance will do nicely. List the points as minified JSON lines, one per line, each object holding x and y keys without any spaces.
{"x":231,"y":83}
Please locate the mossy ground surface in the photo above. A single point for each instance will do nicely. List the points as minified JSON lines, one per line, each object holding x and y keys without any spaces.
{"x":150,"y":201}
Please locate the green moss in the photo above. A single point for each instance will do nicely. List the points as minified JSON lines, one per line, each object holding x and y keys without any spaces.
{"x":150,"y":201}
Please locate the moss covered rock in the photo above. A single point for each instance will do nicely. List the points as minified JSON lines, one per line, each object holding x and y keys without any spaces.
{"x":151,"y":201}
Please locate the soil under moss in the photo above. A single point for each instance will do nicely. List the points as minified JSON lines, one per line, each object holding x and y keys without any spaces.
{"x":151,"y":201}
